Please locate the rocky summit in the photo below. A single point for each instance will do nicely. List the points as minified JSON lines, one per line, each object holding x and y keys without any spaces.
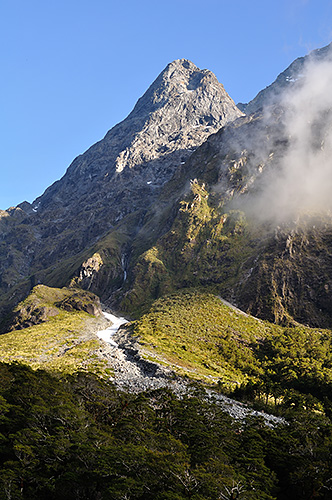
{"x":124,"y":170}
{"x":120,"y":175}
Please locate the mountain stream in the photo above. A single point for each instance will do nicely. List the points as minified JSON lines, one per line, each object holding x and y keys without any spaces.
{"x":133,"y":373}
{"x":107,"y":334}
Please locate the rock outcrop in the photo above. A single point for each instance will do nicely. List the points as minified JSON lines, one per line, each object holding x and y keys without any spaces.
{"x":120,"y":175}
{"x":44,"y":302}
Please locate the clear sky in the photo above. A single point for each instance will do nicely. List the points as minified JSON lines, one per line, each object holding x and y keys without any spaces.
{"x":71,"y":69}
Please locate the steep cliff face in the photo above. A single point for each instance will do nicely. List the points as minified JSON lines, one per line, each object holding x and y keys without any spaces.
{"x":256,"y":223}
{"x":120,"y":175}
{"x":177,"y":113}
{"x":276,"y":270}
{"x":189,"y":192}
{"x":210,"y":241}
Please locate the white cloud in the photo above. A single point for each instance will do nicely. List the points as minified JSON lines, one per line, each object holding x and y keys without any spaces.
{"x":301,"y":180}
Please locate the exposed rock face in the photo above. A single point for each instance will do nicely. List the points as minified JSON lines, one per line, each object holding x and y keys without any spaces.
{"x":290,"y":275}
{"x":120,"y":175}
{"x":123,"y":171}
{"x":272,"y":258}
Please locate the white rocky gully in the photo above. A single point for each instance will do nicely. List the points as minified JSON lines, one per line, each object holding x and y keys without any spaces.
{"x":135,"y":374}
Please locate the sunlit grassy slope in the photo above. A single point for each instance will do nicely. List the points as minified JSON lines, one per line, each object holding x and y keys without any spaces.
{"x":191,"y":331}
{"x":62,"y":342}
{"x":201,"y":337}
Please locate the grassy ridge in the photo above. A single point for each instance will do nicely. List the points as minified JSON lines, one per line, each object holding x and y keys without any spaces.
{"x":203,"y":337}
{"x":61,"y":341}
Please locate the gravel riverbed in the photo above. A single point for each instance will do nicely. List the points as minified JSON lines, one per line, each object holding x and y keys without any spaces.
{"x":133,"y":373}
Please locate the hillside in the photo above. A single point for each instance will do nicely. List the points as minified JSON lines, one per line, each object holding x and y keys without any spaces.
{"x":263,"y":262}
{"x":91,"y":439}
{"x":105,"y":193}
{"x":211,"y":231}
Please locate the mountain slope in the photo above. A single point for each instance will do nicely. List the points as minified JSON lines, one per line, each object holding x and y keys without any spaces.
{"x":120,"y":175}
{"x":246,"y":216}
{"x":256,"y":222}
{"x":286,"y":80}
{"x":141,"y":214}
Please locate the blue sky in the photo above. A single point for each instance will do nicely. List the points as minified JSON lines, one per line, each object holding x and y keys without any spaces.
{"x":71,"y":69}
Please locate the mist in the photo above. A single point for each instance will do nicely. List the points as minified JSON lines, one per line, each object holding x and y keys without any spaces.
{"x":299,"y":180}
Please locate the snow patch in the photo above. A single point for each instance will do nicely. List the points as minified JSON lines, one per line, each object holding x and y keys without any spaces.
{"x":289,"y":79}
{"x":35,"y":208}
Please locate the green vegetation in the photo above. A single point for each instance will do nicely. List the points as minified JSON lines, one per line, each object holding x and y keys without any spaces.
{"x":58,"y":337}
{"x":195,"y":332}
{"x":78,"y":438}
{"x":205,"y":246}
{"x":60,"y":344}
{"x":73,"y":436}
{"x":44,"y":302}
{"x":275,"y":367}
{"x":270,"y":269}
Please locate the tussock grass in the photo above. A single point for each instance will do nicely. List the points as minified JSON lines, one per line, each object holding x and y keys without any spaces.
{"x":203,"y":338}
{"x":62,"y":343}
{"x":59,"y":345}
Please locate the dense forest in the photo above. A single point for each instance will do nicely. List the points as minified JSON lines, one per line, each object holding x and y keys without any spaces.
{"x":79,"y":438}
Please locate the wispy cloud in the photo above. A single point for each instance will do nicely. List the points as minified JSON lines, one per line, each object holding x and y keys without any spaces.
{"x":301,"y":179}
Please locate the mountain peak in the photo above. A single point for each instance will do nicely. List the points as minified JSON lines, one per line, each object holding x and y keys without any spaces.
{"x":187,"y":75}
{"x":124,"y":172}
{"x":184,"y":63}
{"x":180,"y":82}
{"x":182,"y":67}
{"x":180,"y":109}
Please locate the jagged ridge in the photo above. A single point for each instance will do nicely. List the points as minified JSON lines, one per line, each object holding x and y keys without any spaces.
{"x":120,"y":175}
